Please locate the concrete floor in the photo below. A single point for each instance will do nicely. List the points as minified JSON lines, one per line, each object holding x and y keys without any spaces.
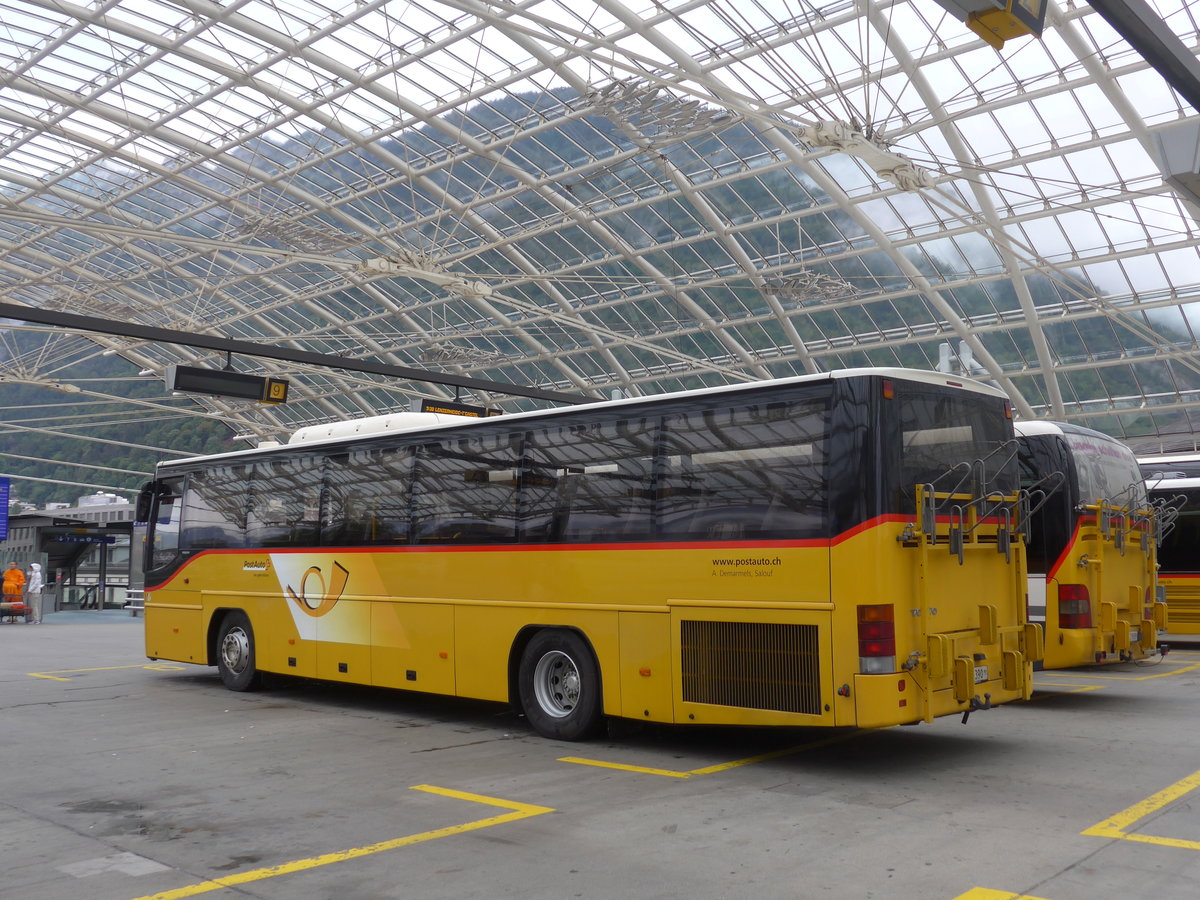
{"x":127,"y":779}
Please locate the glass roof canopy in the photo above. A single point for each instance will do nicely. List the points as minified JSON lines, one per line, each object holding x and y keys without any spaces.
{"x":600,"y":196}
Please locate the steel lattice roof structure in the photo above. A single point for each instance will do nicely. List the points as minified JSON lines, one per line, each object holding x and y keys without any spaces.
{"x":597,"y":197}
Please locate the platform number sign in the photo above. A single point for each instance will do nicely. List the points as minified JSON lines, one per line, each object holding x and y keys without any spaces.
{"x":4,"y":485}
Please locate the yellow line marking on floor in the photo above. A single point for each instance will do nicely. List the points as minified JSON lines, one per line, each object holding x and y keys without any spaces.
{"x":1067,"y":673}
{"x":1116,"y":826}
{"x":624,"y":767}
{"x":518,"y":811}
{"x":979,"y":893}
{"x":1074,"y":687}
{"x":719,"y":767}
{"x":153,"y":667}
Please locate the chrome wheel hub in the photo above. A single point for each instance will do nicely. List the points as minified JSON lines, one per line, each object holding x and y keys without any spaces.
{"x":235,"y":650}
{"x":556,"y":684}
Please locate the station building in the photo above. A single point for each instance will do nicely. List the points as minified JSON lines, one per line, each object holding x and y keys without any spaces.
{"x":84,"y":551}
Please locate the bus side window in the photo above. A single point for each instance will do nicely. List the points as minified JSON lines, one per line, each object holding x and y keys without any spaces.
{"x":601,"y":473}
{"x":746,"y":472}
{"x":366,"y":498}
{"x":466,"y":489}
{"x":285,"y":502}
{"x":215,"y":514}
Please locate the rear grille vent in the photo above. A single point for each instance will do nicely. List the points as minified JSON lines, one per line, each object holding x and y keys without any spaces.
{"x":754,"y":665}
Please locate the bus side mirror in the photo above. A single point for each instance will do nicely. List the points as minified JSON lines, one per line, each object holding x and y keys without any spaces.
{"x":145,"y":501}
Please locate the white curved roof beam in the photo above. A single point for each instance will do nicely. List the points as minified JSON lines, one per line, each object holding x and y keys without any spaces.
{"x":983,"y":201}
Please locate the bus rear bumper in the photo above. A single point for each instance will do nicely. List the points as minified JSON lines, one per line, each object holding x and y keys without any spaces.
{"x":884,"y":700}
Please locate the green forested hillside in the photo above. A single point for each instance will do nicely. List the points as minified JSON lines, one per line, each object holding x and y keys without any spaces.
{"x":106,"y":432}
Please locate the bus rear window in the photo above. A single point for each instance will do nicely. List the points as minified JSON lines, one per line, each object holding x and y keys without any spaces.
{"x":946,"y":436}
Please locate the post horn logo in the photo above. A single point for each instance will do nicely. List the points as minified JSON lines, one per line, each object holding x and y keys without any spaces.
{"x":325,"y":595}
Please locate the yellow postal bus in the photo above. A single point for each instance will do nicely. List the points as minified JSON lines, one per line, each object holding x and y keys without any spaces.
{"x":1092,"y":546}
{"x":1174,"y":486}
{"x":839,"y":549}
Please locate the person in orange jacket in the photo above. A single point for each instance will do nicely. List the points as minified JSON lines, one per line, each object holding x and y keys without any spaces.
{"x":14,"y":584}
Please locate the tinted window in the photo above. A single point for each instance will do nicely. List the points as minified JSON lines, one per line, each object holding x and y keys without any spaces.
{"x":1179,"y":551}
{"x":600,"y":473}
{"x":954,"y":441}
{"x":1045,"y":474}
{"x":466,"y":489}
{"x":215,"y":508}
{"x":1106,"y":470}
{"x":756,"y":470}
{"x":285,"y":502}
{"x":367,"y":497}
{"x":1173,"y":468}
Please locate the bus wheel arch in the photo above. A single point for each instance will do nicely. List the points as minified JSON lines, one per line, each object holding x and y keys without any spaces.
{"x":557,"y":682}
{"x":232,"y":645}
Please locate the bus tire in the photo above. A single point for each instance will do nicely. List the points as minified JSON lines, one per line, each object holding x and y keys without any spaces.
{"x":559,"y":684}
{"x":235,"y":653}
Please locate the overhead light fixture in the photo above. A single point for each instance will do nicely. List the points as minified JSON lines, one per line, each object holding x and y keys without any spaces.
{"x":414,"y":265}
{"x":997,"y":21}
{"x":888,"y":165}
{"x":807,"y":288}
{"x":290,"y":232}
{"x":661,"y":116}
{"x":448,"y":354}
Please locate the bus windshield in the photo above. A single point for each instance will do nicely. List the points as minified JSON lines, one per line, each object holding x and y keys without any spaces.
{"x":163,"y":534}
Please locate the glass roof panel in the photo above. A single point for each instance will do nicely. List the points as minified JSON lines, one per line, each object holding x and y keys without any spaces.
{"x":598,"y":198}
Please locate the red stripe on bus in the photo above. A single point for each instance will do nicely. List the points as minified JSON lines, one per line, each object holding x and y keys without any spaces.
{"x":552,"y":548}
{"x":867,"y":526}
{"x":1062,"y":558}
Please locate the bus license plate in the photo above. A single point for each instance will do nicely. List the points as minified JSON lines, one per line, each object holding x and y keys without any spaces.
{"x":980,"y":674}
{"x":1135,"y":634}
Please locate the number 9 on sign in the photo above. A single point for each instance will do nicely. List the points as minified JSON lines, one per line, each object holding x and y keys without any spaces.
{"x":275,"y":391}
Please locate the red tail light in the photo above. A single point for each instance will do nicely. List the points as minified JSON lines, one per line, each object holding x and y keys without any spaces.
{"x":1074,"y":606}
{"x":877,"y":639}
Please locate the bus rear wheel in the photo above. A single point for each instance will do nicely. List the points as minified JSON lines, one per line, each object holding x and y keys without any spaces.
{"x":560,"y":686}
{"x":235,"y":653}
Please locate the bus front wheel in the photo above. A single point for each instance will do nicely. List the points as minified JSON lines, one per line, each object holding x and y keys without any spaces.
{"x":235,"y":653}
{"x":560,"y":686}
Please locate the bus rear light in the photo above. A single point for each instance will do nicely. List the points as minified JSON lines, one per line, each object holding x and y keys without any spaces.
{"x":877,"y":639}
{"x":889,"y":389}
{"x":1074,"y":606}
